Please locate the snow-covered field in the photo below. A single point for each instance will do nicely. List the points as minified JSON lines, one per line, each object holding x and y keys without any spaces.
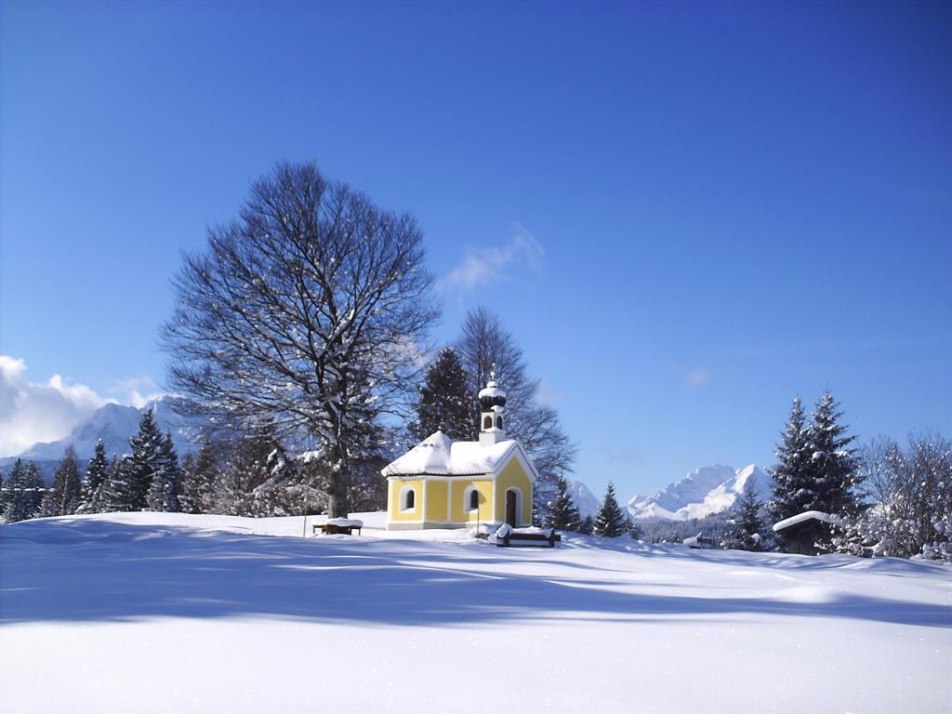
{"x":172,"y":613}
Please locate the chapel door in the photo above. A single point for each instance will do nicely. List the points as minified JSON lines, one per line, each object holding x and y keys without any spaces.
{"x":511,"y":508}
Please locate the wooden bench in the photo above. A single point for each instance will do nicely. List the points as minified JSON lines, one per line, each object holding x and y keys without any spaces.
{"x":336,"y":529}
{"x":515,"y":539}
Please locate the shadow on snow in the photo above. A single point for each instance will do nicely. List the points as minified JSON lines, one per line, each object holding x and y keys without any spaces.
{"x":96,"y":570}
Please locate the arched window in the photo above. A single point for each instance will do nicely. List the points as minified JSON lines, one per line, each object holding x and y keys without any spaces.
{"x":407,"y":499}
{"x":488,"y":422}
{"x":499,"y":423}
{"x":473,"y":500}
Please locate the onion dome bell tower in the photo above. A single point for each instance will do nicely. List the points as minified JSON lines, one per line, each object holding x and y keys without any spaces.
{"x":492,"y":402}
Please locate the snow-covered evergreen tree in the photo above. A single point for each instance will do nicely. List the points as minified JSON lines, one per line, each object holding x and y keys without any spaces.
{"x":610,"y":521}
{"x":62,"y":498}
{"x":24,"y":492}
{"x":115,"y":493}
{"x":165,"y":486}
{"x":745,"y":532}
{"x":200,"y":474}
{"x":90,"y":500}
{"x":284,"y":491}
{"x":562,"y":512}
{"x":793,"y":488}
{"x":244,"y":467}
{"x":587,"y":526}
{"x":816,"y":469}
{"x":144,"y":462}
{"x":13,"y":482}
{"x":833,"y":466}
{"x":445,"y":402}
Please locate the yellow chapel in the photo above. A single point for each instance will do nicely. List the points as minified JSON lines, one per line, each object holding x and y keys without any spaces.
{"x":441,"y":483}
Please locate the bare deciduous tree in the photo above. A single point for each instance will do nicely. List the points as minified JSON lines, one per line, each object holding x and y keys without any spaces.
{"x":485,"y":344}
{"x":303,"y":315}
{"x":911,"y":488}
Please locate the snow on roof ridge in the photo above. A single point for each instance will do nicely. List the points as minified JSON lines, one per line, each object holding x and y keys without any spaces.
{"x":438,"y":454}
{"x":806,"y":516}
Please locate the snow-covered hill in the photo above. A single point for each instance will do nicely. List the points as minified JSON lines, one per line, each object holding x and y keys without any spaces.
{"x":114,"y":424}
{"x":703,"y":492}
{"x":162,"y":613}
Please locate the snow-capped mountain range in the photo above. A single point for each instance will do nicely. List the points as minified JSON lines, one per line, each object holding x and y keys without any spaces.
{"x":703,"y":492}
{"x":114,"y":424}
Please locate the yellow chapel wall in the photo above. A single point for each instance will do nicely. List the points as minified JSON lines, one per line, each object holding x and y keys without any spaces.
{"x":436,"y":505}
{"x":394,"y":513}
{"x":514,"y":475}
{"x":459,"y":509}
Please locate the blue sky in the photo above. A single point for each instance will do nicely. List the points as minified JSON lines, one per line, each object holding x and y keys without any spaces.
{"x":685,"y":213}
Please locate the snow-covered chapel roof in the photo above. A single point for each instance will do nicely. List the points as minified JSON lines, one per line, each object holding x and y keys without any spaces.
{"x":439,"y":455}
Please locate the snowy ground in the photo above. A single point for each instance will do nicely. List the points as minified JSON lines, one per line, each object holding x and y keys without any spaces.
{"x":172,"y":613}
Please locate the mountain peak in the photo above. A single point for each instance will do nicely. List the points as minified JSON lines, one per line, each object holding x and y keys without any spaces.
{"x":114,"y":424}
{"x":702,"y":492}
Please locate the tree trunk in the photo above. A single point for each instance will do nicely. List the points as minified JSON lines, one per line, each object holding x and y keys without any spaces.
{"x":337,"y":501}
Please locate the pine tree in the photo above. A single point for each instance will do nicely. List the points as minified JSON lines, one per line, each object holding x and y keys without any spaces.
{"x":562,"y":513}
{"x":793,"y":489}
{"x":13,"y":482}
{"x":165,"y":486}
{"x":3,"y":494}
{"x":282,"y":491}
{"x":817,"y":470}
{"x":445,"y":402}
{"x":244,"y":467}
{"x":62,"y":498}
{"x":200,"y":473}
{"x":146,"y":459}
{"x":587,"y":526}
{"x":115,"y":494}
{"x":833,"y":466}
{"x":745,"y":532}
{"x":25,"y":492}
{"x":35,"y":488}
{"x":91,"y":494}
{"x":610,"y":521}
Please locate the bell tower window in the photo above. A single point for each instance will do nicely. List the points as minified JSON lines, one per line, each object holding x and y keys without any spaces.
{"x":492,"y":402}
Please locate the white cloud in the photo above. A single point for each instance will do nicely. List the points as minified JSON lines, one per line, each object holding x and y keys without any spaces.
{"x":622,"y":455}
{"x":137,"y":391}
{"x":691,"y":376}
{"x":31,"y":412}
{"x":491,"y":264}
{"x":697,"y":377}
